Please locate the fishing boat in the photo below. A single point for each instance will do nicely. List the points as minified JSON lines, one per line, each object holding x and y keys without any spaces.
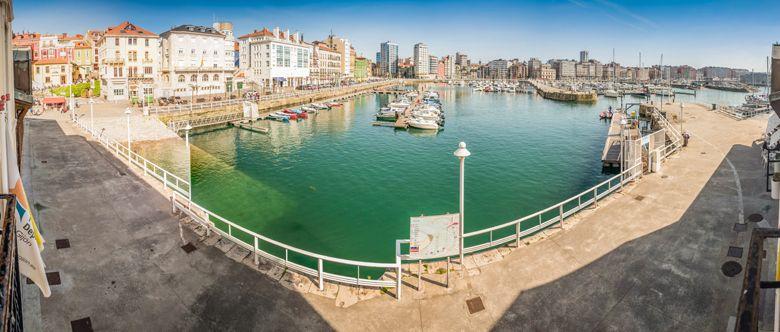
{"x":279,"y":117}
{"x":309,"y":109}
{"x":299,"y":114}
{"x":420,"y":123}
{"x":333,"y":104}
{"x":288,"y":115}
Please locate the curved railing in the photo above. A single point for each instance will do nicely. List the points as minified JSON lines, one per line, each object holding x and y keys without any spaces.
{"x":261,"y":246}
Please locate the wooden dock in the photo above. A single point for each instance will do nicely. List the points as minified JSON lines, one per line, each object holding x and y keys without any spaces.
{"x":250,"y":127}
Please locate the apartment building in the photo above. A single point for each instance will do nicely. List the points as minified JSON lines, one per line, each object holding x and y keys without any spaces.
{"x":129,"y":61}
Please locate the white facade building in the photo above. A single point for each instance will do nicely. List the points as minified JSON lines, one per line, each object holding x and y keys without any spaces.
{"x":275,"y":60}
{"x":129,"y":60}
{"x":421,"y":61}
{"x":195,"y":62}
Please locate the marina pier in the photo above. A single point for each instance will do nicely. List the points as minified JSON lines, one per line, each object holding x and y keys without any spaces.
{"x":553,"y":93}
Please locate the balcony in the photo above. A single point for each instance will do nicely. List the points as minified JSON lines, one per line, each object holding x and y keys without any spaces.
{"x":113,"y":61}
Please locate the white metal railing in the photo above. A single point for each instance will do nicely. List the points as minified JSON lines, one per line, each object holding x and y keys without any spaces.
{"x":181,"y":108}
{"x":180,"y":201}
{"x":523,"y":227}
{"x":168,"y":179}
{"x":544,"y":218}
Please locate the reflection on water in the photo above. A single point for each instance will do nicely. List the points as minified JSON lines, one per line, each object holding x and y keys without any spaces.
{"x":337,"y":185}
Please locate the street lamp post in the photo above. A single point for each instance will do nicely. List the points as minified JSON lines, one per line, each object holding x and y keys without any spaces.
{"x":128,"y":112}
{"x":461,"y":153}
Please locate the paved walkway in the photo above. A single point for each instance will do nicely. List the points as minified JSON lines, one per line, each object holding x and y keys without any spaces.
{"x":646,"y":259}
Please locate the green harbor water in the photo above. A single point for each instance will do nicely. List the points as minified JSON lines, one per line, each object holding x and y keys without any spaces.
{"x":336,"y":185}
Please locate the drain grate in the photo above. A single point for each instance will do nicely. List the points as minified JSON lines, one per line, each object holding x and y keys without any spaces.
{"x":81,"y":325}
{"x":44,"y":161}
{"x":755,"y":217}
{"x":740,"y":227}
{"x":639,"y":197}
{"x":189,"y":247}
{"x":735,"y":252}
{"x":731,"y":268}
{"x":53,"y":278}
{"x":62,"y":243}
{"x":475,"y":305}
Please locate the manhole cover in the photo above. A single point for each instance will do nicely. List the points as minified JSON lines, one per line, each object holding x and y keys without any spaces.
{"x":62,"y":243}
{"x":738,"y":227}
{"x":81,"y":325}
{"x":664,"y":176}
{"x":475,"y":305}
{"x":189,"y":247}
{"x":755,"y":217}
{"x":703,"y":152}
{"x":639,"y":197}
{"x":731,"y":268}
{"x":735,"y":252}
{"x":53,"y":278}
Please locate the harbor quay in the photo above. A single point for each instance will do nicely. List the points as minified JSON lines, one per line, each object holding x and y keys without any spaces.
{"x":647,"y":257}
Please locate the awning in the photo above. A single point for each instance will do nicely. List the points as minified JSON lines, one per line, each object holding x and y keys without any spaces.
{"x":53,"y":100}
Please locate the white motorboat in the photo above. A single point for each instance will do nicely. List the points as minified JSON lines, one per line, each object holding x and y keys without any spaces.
{"x":308,"y":109}
{"x":426,"y":115}
{"x":611,"y":93}
{"x":421,"y":123}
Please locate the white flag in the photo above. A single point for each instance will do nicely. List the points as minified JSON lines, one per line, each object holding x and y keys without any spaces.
{"x":29,"y":242}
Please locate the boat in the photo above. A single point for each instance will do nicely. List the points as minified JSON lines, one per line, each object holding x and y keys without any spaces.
{"x":611,"y":93}
{"x":320,"y":106}
{"x":386,"y":114}
{"x":333,"y":104}
{"x":309,"y":109}
{"x":288,"y":115}
{"x":297,"y":113}
{"x":420,"y":123}
{"x":426,"y":115}
{"x":279,"y":117}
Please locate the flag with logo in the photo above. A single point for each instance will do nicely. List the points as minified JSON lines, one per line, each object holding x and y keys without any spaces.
{"x":29,"y":242}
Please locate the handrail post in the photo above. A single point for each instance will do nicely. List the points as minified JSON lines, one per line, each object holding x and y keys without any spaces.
{"x":517,"y":235}
{"x":173,"y":202}
{"x":320,"y":273}
{"x":145,"y":172}
{"x":560,"y":213}
{"x":398,"y":281}
{"x":595,"y":195}
{"x":257,"y":259}
{"x":165,"y":179}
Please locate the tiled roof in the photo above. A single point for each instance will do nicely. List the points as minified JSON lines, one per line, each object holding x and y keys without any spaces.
{"x":53,"y":61}
{"x":194,"y":29}
{"x":261,"y":33}
{"x":128,"y":29}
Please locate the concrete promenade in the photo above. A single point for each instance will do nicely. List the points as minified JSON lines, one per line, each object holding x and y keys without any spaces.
{"x":647,"y":258}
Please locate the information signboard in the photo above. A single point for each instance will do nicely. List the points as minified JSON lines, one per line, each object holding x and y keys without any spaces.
{"x":434,"y":236}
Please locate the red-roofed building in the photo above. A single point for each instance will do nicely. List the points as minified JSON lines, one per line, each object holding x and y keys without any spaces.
{"x":129,"y":61}
{"x":325,"y":65}
{"x":53,"y":72}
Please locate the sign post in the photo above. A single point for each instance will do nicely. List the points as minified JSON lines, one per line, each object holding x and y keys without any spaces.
{"x":434,"y":237}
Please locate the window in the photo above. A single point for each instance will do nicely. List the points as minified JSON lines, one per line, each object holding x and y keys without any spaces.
{"x":181,"y":52}
{"x":205,"y":77}
{"x":147,"y":70}
{"x":119,"y":92}
{"x":116,"y":41}
{"x":146,"y":55}
{"x":37,"y":70}
{"x":192,"y":51}
{"x":146,"y":42}
{"x":194,"y":78}
{"x":216,"y":77}
{"x":181,"y":78}
{"x":116,"y":55}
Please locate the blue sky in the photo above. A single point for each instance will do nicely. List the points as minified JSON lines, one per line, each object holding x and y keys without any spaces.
{"x":699,"y":33}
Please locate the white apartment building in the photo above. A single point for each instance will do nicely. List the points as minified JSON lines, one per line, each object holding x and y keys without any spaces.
{"x":129,"y":60}
{"x":326,"y":64}
{"x":449,"y":67}
{"x":275,"y":60}
{"x":421,"y":61}
{"x":52,"y":72}
{"x":196,"y":61}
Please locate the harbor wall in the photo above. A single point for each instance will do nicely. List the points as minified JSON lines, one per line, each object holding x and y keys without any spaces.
{"x":552,"y":93}
{"x":325,"y":95}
